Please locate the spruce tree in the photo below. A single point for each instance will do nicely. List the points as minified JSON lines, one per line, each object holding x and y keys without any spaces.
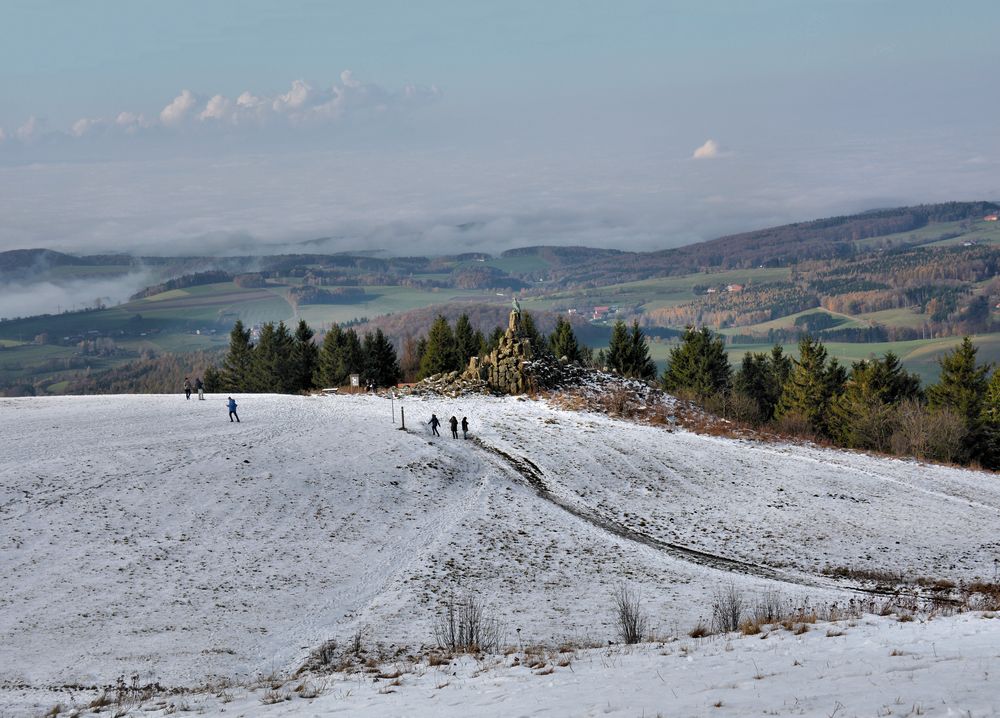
{"x":699,"y":364}
{"x":811,"y":386}
{"x":441,"y":354}
{"x":962,"y":388}
{"x":761,"y":377}
{"x":864,"y":415}
{"x":535,"y":338}
{"x":304,"y":358}
{"x":642,"y":365}
{"x":380,"y":364}
{"x":237,"y":367}
{"x":494,"y":339}
{"x":617,"y":356}
{"x":272,"y":360}
{"x":213,"y":380}
{"x":990,"y":421}
{"x":352,"y":357}
{"x":466,"y":342}
{"x":329,"y":371}
{"x":562,"y":342}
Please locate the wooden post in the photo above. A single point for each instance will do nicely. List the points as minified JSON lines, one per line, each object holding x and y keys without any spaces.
{"x":402,"y":419}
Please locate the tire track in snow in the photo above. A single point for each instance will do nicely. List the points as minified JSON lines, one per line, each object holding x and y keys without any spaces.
{"x":534,"y":477}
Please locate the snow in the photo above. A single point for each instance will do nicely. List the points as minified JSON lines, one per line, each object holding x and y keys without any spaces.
{"x":149,"y":535}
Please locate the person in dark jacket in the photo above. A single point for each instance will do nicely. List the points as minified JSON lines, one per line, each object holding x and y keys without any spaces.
{"x":232,"y":410}
{"x":465,"y":427}
{"x":454,"y":427}
{"x":187,"y":388}
{"x":199,"y":386}
{"x":434,"y":424}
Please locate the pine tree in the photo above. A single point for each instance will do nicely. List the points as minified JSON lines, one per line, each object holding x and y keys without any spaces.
{"x":864,"y":415}
{"x":380,"y":364}
{"x":990,"y":421}
{"x":441,"y":354}
{"x":466,"y":342}
{"x":811,"y":386}
{"x":617,"y":358}
{"x":237,"y":367}
{"x":562,"y":342}
{"x":213,"y":380}
{"x":962,"y":388}
{"x":535,"y":338}
{"x":494,"y":339}
{"x":642,"y":365}
{"x":699,"y":364}
{"x":329,"y":372}
{"x":304,"y":358}
{"x":352,"y":357}
{"x":761,"y":377}
{"x":272,"y":360}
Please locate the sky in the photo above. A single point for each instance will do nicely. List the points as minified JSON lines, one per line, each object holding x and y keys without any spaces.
{"x":439,"y":127}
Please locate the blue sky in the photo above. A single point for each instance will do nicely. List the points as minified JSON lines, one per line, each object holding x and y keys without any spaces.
{"x":240,"y":126}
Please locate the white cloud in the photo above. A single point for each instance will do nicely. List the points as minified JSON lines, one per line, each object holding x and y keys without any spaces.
{"x":294,"y":98}
{"x":174,"y":113}
{"x":347,"y":79}
{"x":30,"y":129}
{"x":218,"y":108}
{"x":83,"y":126}
{"x":707,"y":151}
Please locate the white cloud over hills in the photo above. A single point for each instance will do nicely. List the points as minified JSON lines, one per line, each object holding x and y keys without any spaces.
{"x":302,"y":105}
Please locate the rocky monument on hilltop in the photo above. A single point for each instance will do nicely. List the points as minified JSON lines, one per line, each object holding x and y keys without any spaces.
{"x":504,"y":369}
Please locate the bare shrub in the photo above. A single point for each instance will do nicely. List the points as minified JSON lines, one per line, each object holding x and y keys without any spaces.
{"x":728,"y":608}
{"x":795,"y":424}
{"x":465,"y":629}
{"x":700,"y":630}
{"x":937,"y":435}
{"x":273,"y":696}
{"x":629,"y":617}
{"x":619,"y":401}
{"x":770,"y":608}
{"x":946,"y":436}
{"x":324,"y":657}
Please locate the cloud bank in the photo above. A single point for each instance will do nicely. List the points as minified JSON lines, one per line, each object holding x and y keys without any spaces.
{"x":301,"y":106}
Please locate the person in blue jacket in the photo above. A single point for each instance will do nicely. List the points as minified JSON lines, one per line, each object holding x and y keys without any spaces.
{"x":232,"y":410}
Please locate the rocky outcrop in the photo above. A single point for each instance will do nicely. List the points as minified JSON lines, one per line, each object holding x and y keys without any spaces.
{"x":504,"y":370}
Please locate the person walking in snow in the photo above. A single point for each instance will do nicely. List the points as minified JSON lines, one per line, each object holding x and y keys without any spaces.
{"x":465,"y":427}
{"x":187,"y":388}
{"x":454,"y":427}
{"x":232,"y":410}
{"x":199,"y":386}
{"x":434,"y":424}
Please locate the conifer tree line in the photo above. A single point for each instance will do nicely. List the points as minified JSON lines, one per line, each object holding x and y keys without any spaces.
{"x":285,"y":362}
{"x":876,"y":405}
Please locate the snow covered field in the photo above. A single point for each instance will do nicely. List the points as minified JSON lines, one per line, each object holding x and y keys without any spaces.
{"x":149,"y":535}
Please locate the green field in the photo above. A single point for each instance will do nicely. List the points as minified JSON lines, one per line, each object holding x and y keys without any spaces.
{"x":660,"y":292}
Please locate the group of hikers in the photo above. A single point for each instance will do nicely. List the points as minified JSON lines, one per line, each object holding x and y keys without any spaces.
{"x":199,"y":386}
{"x":435,"y":423}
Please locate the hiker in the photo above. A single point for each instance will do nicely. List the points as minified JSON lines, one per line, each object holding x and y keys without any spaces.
{"x":434,"y":424}
{"x":454,"y":427}
{"x":465,"y":428}
{"x":187,"y":388}
{"x":199,"y":386}
{"x":232,"y":410}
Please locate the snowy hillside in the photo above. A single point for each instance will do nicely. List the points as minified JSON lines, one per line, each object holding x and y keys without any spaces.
{"x":149,"y":535}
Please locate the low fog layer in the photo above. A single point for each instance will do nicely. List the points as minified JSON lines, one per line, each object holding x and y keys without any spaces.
{"x":25,"y":299}
{"x":446,"y":200}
